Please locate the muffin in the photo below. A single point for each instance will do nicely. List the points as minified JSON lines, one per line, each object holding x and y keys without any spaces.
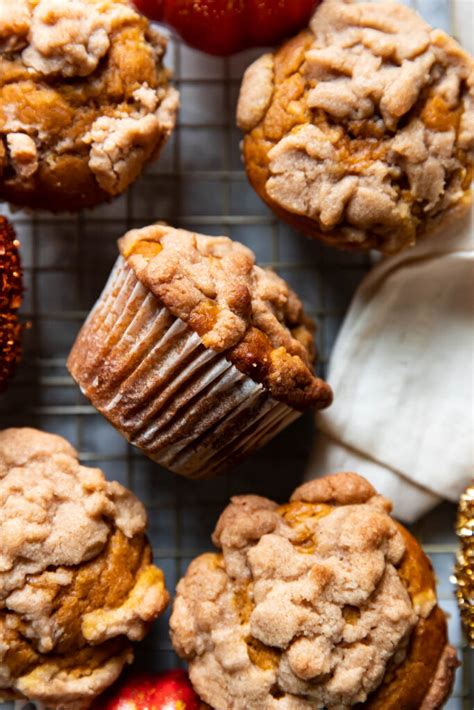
{"x":85,"y":101}
{"x":360,"y":130}
{"x":11,"y":291}
{"x":195,"y":354}
{"x":77,"y":583}
{"x":324,"y":602}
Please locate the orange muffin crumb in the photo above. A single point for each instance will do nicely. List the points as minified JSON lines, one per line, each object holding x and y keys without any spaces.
{"x":85,"y":101}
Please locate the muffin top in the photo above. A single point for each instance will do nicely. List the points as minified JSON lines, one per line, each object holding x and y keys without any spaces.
{"x":84,"y":100}
{"x":76,"y":579}
{"x":308,"y":604}
{"x":363,"y":126}
{"x":248,"y":313}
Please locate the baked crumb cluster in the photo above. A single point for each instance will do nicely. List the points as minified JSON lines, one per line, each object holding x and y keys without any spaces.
{"x":84,"y":100}
{"x":305,"y":606}
{"x":77,"y":583}
{"x":250,"y":313}
{"x":361,"y":130}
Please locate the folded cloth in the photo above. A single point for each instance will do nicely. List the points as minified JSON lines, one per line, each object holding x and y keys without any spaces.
{"x":402,"y":372}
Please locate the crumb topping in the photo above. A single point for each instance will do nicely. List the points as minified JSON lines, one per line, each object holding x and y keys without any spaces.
{"x":77,"y":582}
{"x":65,"y":40}
{"x":14,"y":24}
{"x":364,"y":125}
{"x":249,"y":313}
{"x":84,"y":82}
{"x":273,"y":621}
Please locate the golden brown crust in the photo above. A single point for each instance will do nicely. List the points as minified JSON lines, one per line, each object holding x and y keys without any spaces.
{"x":335,"y":167}
{"x":85,"y":101}
{"x":77,"y":583}
{"x":443,"y":682}
{"x":237,"y":308}
{"x":338,"y":489}
{"x":417,"y":572}
{"x":248,"y":613}
{"x":425,"y":678}
{"x":427,"y":674}
{"x":105,"y":582}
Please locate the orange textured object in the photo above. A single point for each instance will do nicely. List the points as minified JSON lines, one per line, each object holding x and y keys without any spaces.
{"x":223,"y":27}
{"x":295,"y":596}
{"x":89,"y":587}
{"x":311,"y":149}
{"x":11,"y":290}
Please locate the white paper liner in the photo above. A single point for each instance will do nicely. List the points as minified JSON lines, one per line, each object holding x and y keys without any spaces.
{"x":184,"y":405}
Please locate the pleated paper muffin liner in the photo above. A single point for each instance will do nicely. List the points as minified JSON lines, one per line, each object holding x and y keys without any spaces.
{"x":185,"y":406}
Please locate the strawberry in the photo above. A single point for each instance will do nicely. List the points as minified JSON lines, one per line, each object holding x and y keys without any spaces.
{"x":226,"y":26}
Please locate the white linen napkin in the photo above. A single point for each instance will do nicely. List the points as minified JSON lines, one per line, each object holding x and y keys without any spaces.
{"x":402,"y":372}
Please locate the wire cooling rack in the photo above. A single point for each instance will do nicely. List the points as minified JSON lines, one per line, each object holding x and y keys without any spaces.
{"x":199,"y":183}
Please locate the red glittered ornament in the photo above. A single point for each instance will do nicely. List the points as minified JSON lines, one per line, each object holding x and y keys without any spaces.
{"x":11,"y":290}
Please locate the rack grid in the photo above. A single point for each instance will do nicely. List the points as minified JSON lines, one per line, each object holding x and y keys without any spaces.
{"x":199,"y":183}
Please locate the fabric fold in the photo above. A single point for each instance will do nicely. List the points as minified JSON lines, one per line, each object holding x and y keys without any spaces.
{"x":403,"y":375}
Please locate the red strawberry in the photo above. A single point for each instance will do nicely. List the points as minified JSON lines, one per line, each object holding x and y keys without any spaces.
{"x":167,"y":691}
{"x":227,"y":26}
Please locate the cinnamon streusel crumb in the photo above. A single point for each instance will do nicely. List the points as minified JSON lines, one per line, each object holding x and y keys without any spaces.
{"x":347,"y":620}
{"x":77,"y":583}
{"x":238,"y":308}
{"x":360,"y":131}
{"x":85,"y":101}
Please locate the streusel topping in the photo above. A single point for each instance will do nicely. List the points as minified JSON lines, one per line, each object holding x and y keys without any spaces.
{"x":305,"y":606}
{"x":77,"y":582}
{"x":83,"y":82}
{"x":367,"y":123}
{"x":238,"y":308}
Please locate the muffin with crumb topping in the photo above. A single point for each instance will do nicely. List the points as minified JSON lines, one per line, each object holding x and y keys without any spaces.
{"x":194,"y":353}
{"x":85,"y":101}
{"x":323,"y":602}
{"x":360,"y":130}
{"x":77,"y":582}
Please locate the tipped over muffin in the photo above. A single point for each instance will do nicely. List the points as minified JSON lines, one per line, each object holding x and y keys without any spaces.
{"x":85,"y":101}
{"x":323,"y":602}
{"x":194,"y":353}
{"x":360,"y":130}
{"x":77,"y":583}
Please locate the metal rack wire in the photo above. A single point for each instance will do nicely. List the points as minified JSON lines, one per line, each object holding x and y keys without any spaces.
{"x":199,"y":183}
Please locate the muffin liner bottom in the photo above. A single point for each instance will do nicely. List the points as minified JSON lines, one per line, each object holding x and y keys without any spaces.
{"x":185,"y":406}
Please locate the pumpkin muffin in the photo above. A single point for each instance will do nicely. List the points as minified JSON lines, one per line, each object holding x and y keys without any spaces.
{"x":85,"y":101}
{"x":324,"y":602}
{"x":77,"y":583}
{"x":360,"y":130}
{"x":194,"y":353}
